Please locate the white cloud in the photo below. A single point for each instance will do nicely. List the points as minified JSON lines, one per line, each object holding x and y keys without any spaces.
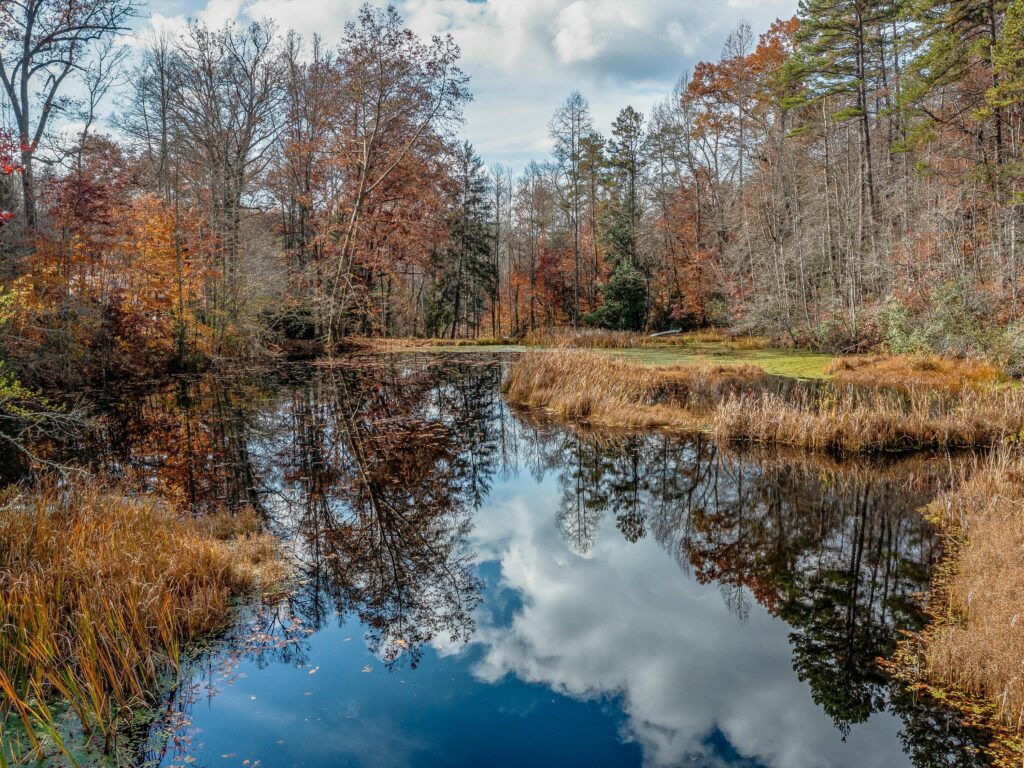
{"x":574,"y":40}
{"x":626,"y":624}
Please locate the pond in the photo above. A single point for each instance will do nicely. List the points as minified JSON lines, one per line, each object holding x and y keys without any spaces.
{"x":478,"y":587}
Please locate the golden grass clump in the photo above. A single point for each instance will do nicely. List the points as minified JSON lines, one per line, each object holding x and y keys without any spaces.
{"x":742,"y":404}
{"x":402,"y":344}
{"x":99,"y":591}
{"x":609,"y":391}
{"x":918,"y":372}
{"x":971,"y":656}
{"x":852,"y":420}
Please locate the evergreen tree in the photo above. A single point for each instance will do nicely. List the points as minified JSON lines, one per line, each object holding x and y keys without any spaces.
{"x":467,"y":273}
{"x":837,"y":55}
{"x":955,"y":38}
{"x":625,"y":301}
{"x":625,"y":163}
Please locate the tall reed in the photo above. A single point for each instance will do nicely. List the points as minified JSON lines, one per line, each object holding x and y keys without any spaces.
{"x":99,"y":591}
{"x":971,"y":656}
{"x":845,"y":419}
{"x":743,"y":405}
{"x":610,"y":391}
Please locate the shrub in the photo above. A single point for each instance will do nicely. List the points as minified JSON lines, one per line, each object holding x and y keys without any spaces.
{"x":625,"y":301}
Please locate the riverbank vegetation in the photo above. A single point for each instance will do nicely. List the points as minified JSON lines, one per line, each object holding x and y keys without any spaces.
{"x":743,"y":404}
{"x":610,"y":391}
{"x":101,"y":591}
{"x":970,"y":655}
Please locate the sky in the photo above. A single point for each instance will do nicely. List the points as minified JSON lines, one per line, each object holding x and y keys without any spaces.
{"x":525,"y":56}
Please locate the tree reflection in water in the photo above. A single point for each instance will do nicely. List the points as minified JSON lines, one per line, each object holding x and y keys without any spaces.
{"x":373,"y":470}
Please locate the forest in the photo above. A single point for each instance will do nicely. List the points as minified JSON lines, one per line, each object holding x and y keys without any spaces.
{"x":847,"y":179}
{"x":265,"y":377}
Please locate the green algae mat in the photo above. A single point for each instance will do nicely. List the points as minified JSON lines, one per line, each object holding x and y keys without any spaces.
{"x":778,"y":362}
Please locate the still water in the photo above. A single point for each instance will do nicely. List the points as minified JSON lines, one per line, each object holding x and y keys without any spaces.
{"x":481,"y":588}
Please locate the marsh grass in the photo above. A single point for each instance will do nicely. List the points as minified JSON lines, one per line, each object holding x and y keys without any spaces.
{"x":601,"y":390}
{"x":741,"y":404}
{"x":971,"y":656}
{"x":99,"y":593}
{"x":848,"y":419}
{"x":597,"y":338}
{"x":377,"y":343}
{"x":915,"y":373}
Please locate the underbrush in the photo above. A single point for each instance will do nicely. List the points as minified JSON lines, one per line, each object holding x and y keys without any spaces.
{"x":970,"y":656}
{"x":99,"y":592}
{"x":916,"y":372}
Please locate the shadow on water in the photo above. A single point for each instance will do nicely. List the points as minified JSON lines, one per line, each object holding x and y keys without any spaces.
{"x":414,"y":500}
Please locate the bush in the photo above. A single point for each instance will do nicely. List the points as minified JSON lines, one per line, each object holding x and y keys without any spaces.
{"x":625,"y":301}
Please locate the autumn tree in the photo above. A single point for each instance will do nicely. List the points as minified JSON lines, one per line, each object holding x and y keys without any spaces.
{"x":397,"y":94}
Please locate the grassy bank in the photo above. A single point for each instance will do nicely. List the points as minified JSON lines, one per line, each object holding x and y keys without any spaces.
{"x":915,"y":373}
{"x":971,"y":657}
{"x":612,"y":392}
{"x":99,"y":593}
{"x":743,"y":404}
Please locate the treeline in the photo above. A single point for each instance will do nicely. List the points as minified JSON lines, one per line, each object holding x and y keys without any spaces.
{"x":249,"y":186}
{"x":850,"y":178}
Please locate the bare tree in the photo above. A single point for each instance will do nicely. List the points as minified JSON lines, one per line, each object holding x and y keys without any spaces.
{"x":42,"y":42}
{"x":570,"y":125}
{"x":227,"y":94}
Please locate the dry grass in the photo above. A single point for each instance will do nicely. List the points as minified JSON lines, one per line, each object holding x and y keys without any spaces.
{"x":972,"y":655}
{"x":853,"y":420}
{"x":742,"y":404}
{"x":909,"y":373}
{"x":99,"y":591}
{"x":584,"y":338}
{"x":377,"y":343}
{"x":607,"y":391}
{"x":595,"y":338}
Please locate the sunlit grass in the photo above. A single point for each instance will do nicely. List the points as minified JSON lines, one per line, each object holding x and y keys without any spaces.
{"x":99,"y":593}
{"x":743,"y":404}
{"x":608,"y":390}
{"x":919,"y":372}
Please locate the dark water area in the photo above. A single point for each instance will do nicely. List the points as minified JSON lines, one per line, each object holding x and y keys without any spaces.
{"x":478,"y":587}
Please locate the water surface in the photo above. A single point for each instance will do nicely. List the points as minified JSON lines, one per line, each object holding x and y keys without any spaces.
{"x":479,"y":588}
